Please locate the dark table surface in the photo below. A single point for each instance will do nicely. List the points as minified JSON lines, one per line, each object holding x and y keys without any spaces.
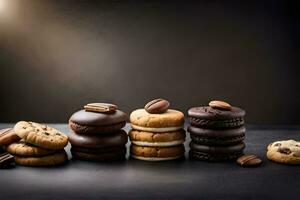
{"x":182,"y":179}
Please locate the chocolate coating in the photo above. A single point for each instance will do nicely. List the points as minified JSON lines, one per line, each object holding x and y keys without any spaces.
{"x":98,"y":151}
{"x":83,"y":117}
{"x":217,"y":137}
{"x":85,"y":130}
{"x":210,"y":113}
{"x":217,"y":150}
{"x":102,"y":141}
{"x":207,"y":157}
{"x":101,"y":157}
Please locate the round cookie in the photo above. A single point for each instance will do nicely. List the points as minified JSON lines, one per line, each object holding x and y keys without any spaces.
{"x":142,"y":138}
{"x":24,"y":149}
{"x":211,"y":118}
{"x":171,"y":120}
{"x":217,"y":137}
{"x":216,"y":153}
{"x":116,"y":155}
{"x":286,"y":152}
{"x":102,"y":141}
{"x":156,"y":153}
{"x":41,"y":135}
{"x":48,"y":160}
{"x":84,"y":122}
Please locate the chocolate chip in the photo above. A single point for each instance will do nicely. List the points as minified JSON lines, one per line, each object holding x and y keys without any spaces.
{"x":157,"y":106}
{"x":284,"y":150}
{"x":46,"y":133}
{"x":57,"y":133}
{"x":249,"y":161}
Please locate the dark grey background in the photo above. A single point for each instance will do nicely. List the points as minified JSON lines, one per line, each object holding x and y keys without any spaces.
{"x":56,"y":56}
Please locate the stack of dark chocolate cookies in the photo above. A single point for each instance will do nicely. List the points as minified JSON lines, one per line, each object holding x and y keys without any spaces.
{"x":217,"y":132}
{"x":97,"y":133}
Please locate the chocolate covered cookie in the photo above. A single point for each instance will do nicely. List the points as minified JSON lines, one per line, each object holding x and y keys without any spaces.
{"x":216,"y":153}
{"x":213,"y":118}
{"x":217,"y":137}
{"x":86,"y":122}
{"x":99,"y":155}
{"x":116,"y":139}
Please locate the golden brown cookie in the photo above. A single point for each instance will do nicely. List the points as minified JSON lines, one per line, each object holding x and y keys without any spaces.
{"x":24,"y":149}
{"x":286,"y":152}
{"x":171,"y":120}
{"x":142,"y":138}
{"x":41,"y":135}
{"x":48,"y":160}
{"x":156,"y":153}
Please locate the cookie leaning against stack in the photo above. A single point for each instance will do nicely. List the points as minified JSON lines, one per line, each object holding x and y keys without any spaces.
{"x":41,"y":145}
{"x":97,"y":133}
{"x":157,"y":133}
{"x":217,"y":131}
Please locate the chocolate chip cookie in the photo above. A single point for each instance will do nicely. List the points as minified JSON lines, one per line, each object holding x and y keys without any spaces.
{"x":286,"y":152}
{"x":48,"y":160}
{"x":41,"y":135}
{"x":24,"y":149}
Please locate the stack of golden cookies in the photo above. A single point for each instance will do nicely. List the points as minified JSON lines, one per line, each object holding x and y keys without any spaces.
{"x":157,"y":132}
{"x":40,"y":145}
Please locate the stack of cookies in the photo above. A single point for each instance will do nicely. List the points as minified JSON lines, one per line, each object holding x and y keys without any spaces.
{"x":40,"y":145}
{"x":157,"y":132}
{"x":217,"y":131}
{"x":97,"y":133}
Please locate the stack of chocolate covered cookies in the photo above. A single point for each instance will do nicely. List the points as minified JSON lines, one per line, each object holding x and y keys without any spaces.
{"x":40,"y":145}
{"x":217,"y":132}
{"x":157,"y":132}
{"x":97,"y":133}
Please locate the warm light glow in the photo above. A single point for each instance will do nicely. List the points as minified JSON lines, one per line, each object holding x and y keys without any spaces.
{"x":2,"y":5}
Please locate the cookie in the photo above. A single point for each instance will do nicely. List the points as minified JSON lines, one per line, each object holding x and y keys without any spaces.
{"x":8,"y":136}
{"x":24,"y":149}
{"x":216,"y":153}
{"x":93,"y":155}
{"x":102,"y":141}
{"x":171,"y":120}
{"x":164,"y":139}
{"x":41,"y":135}
{"x":286,"y":152}
{"x":212,"y":118}
{"x":85,"y":122}
{"x":216,"y":137}
{"x":156,"y":153}
{"x":48,"y":160}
